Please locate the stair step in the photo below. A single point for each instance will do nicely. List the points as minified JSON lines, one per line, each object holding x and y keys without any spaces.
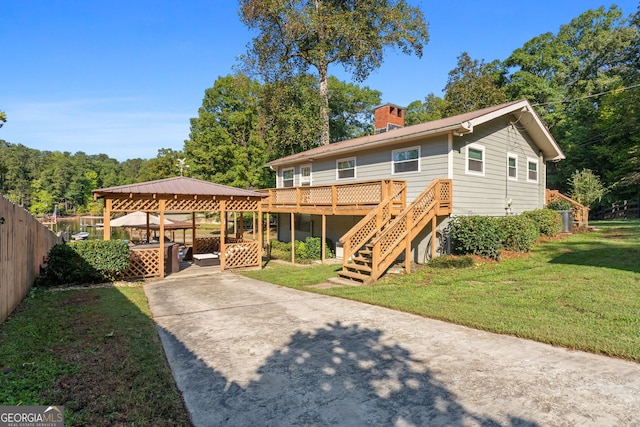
{"x":367,"y":252}
{"x":365,"y":260}
{"x":359,"y":267}
{"x":355,"y":276}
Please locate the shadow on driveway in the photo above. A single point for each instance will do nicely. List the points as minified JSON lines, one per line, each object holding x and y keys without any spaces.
{"x":336,"y":375}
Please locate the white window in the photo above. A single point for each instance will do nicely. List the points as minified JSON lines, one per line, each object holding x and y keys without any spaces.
{"x":406,"y":160}
{"x":532,"y":170}
{"x":346,"y":168}
{"x":512,"y":166}
{"x":287,"y":177}
{"x":305,"y":176}
{"x":475,"y":159}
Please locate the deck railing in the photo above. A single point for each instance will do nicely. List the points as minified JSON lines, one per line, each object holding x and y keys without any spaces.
{"x":435,"y":200}
{"x":333,"y":199}
{"x":371,"y":224}
{"x":580,"y":212}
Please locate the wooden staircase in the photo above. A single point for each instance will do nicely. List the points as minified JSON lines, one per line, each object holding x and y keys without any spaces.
{"x":375,"y":242}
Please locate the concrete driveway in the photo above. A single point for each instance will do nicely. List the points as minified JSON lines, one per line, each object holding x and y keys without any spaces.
{"x":249,"y":353}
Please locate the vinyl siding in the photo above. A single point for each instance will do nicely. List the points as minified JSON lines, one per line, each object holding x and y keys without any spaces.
{"x":377,"y":164}
{"x":488,"y":195}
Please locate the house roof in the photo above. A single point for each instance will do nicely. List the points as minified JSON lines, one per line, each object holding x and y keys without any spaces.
{"x":177,"y":186}
{"x":525,"y":116}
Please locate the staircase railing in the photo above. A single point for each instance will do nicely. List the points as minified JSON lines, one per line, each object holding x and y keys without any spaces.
{"x":373,"y":222}
{"x":579,"y":211}
{"x":436,"y":199}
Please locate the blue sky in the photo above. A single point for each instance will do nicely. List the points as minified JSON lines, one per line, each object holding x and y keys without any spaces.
{"x":123,"y":77}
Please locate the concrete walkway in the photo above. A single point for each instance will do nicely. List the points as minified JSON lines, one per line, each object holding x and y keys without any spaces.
{"x":249,"y":353}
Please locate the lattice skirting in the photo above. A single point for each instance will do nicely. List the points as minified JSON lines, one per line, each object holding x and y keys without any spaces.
{"x":206,"y":245}
{"x":143,"y":263}
{"x":245,"y":254}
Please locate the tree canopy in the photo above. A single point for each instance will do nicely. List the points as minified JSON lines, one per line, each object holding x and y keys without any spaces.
{"x":295,"y":35}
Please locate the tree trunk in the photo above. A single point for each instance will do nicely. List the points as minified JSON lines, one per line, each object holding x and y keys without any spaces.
{"x":324,"y":106}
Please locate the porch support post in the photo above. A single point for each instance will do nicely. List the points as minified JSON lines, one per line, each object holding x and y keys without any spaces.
{"x":106,"y":219}
{"x":162,"y":206}
{"x":407,"y":248}
{"x":223,"y":232}
{"x":434,"y":224}
{"x":324,"y":237}
{"x":293,"y":239}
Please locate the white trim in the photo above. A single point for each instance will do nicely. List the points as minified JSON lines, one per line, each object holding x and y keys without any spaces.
{"x":346,"y":159}
{"x":450,"y":155}
{"x":310,"y":182}
{"x":476,"y":147}
{"x":509,"y":157}
{"x":537,"y":163}
{"x":418,"y":160}
{"x":293,"y":176}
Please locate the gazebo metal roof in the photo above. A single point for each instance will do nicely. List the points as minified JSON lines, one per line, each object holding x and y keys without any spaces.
{"x":177,"y":186}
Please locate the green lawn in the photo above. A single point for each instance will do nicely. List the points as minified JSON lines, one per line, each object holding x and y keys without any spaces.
{"x":95,"y":351}
{"x":580,"y":292}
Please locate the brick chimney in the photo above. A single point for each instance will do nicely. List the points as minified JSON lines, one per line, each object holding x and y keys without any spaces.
{"x":388,"y":117}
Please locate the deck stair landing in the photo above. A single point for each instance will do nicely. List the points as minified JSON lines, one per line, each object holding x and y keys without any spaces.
{"x":375,"y":242}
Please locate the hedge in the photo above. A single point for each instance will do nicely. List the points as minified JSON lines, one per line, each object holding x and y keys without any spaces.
{"x":519,"y":233}
{"x":476,"y":235}
{"x":549,"y":221}
{"x":90,"y":261}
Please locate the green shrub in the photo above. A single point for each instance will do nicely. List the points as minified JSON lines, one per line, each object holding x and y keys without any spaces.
{"x":476,"y":235}
{"x":308,"y":250}
{"x":549,"y":221}
{"x":519,"y":233}
{"x":91,"y":261}
{"x":560,"y":205}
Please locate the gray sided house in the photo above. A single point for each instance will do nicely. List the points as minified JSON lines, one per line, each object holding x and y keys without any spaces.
{"x":494,"y":160}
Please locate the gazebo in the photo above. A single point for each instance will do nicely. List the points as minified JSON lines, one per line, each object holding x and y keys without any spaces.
{"x":182,"y":195}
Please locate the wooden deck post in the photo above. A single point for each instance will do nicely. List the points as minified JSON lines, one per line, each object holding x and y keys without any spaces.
{"x":293,"y":239}
{"x":260,"y":232}
{"x":434,"y":223}
{"x":193,"y":233}
{"x":407,"y":249}
{"x":324,"y":237}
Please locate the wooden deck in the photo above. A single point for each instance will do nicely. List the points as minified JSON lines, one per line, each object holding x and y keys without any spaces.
{"x":357,"y":198}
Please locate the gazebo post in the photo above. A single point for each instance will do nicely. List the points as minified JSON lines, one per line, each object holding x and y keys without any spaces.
{"x":223,"y":231}
{"x":162,"y":203}
{"x":106,"y":219}
{"x":193,"y":232}
{"x":260,"y":237}
{"x":148,"y":229}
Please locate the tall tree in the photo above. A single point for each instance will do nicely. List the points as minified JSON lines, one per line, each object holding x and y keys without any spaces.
{"x":3,"y":118}
{"x":350,"y":109}
{"x":223,"y":145}
{"x":473,"y":85}
{"x":570,"y":78}
{"x":294,"y":35}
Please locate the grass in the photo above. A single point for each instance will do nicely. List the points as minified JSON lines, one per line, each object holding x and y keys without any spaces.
{"x":95,"y":351}
{"x":580,"y":292}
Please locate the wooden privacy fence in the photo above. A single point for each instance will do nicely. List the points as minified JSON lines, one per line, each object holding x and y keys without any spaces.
{"x":24,"y":243}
